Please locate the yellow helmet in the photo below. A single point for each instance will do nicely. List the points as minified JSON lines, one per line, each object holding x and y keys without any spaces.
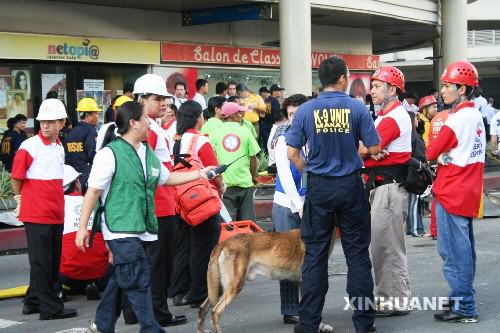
{"x":87,"y":104}
{"x":120,"y":100}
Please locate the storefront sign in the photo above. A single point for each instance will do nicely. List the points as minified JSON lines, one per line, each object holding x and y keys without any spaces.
{"x":93,"y":85}
{"x":60,"y":48}
{"x":246,"y":56}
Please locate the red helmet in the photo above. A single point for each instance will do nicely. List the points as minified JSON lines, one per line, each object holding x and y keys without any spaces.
{"x":426,"y":101}
{"x":461,"y":72}
{"x":391,"y":75}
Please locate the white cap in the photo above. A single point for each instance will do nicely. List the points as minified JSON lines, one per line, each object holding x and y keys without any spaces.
{"x":151,"y":84}
{"x":51,"y":109}
{"x":70,"y":175}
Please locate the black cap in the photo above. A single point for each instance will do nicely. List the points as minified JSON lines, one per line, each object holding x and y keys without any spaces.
{"x":263,"y":89}
{"x":276,"y":87}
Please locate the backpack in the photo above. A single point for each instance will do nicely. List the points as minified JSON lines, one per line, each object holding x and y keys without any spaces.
{"x":198,"y":200}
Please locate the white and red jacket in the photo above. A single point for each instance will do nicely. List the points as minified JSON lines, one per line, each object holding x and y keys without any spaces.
{"x":170,"y":128}
{"x":164,"y":196}
{"x":394,"y":128}
{"x":39,"y":163}
{"x":75,"y":264}
{"x":459,"y":184}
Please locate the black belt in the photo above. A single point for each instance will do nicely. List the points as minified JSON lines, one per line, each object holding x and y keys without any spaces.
{"x":313,"y":175}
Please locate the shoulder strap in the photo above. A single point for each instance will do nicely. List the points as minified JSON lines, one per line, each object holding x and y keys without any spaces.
{"x":192,"y":145}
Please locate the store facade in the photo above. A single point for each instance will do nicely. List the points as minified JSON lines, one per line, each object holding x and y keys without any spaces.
{"x":254,"y":66}
{"x":75,"y":67}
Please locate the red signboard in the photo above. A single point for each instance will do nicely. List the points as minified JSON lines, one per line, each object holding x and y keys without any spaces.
{"x":248,"y":56}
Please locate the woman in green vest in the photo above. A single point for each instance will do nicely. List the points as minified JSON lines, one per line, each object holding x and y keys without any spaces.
{"x":122,"y":182}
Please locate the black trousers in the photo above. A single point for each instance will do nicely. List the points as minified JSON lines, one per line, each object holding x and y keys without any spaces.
{"x":161,"y":255}
{"x":350,"y":205}
{"x":191,"y":263}
{"x":44,"y":253}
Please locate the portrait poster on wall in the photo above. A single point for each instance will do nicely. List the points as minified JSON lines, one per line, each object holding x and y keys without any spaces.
{"x":22,"y":81}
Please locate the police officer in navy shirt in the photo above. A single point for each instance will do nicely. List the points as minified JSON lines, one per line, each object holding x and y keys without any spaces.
{"x":333,"y":124}
{"x":81,"y":141}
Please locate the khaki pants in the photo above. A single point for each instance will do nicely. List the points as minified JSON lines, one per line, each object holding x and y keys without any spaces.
{"x":389,"y":207}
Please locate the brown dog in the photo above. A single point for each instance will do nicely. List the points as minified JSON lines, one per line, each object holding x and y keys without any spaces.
{"x":276,"y":255}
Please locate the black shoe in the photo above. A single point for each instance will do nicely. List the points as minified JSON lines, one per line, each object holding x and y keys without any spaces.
{"x":30,"y":309}
{"x":289,"y":319}
{"x":390,"y":313}
{"x":179,"y":300}
{"x":452,"y":317}
{"x":196,"y":304}
{"x":92,"y":292}
{"x":371,"y":330}
{"x":64,"y":314}
{"x":173,"y":321}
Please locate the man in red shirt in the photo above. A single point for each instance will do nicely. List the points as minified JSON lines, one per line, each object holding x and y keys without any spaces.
{"x":37,"y":177}
{"x":152,"y":93}
{"x":460,"y":150}
{"x":388,"y":199}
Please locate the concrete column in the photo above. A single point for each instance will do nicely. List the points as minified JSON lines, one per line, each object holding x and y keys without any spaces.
{"x":454,"y":31}
{"x":437,"y":69}
{"x":295,"y":46}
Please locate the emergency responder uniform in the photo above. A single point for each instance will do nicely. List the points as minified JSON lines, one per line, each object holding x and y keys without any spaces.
{"x":81,"y":141}
{"x":37,"y":176}
{"x":333,"y":124}
{"x":458,"y":189}
{"x":389,"y":200}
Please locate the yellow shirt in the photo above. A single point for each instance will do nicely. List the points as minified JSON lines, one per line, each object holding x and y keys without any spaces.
{"x":258,"y":106}
{"x":427,"y":129}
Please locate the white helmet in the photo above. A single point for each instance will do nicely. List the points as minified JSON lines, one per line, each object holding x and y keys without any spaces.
{"x":151,"y":84}
{"x":51,"y":109}
{"x":70,"y":175}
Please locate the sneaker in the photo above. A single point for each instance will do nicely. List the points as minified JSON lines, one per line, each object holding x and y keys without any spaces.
{"x":325,"y":328}
{"x":92,"y":327}
{"x":452,"y":317}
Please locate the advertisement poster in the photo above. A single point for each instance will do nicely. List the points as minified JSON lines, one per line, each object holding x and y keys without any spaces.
{"x":22,"y":81}
{"x":359,"y":85}
{"x":16,"y":103}
{"x":5,"y":85}
{"x":102,"y":98}
{"x":172,"y":75}
{"x":54,"y":82}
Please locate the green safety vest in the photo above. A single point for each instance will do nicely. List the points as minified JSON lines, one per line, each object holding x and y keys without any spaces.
{"x":129,"y":205}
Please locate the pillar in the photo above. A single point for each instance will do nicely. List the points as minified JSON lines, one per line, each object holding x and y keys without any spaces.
{"x":454,"y":31}
{"x":295,"y":46}
{"x":437,"y":68}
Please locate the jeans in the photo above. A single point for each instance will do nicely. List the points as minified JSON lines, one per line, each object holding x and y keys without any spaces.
{"x":130,"y":274}
{"x":284,"y":220}
{"x":414,"y":224}
{"x":457,"y":248}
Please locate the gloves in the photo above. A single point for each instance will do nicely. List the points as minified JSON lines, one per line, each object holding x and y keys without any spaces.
{"x":17,"y":197}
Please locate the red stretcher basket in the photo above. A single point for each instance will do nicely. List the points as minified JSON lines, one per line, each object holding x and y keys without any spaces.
{"x":238,"y":227}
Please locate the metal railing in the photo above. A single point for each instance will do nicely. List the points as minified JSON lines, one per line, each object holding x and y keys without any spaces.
{"x":483,"y":38}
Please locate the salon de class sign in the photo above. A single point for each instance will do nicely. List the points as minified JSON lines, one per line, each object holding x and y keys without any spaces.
{"x":248,"y":56}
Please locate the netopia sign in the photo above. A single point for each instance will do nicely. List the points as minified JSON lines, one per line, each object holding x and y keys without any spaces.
{"x":67,"y":51}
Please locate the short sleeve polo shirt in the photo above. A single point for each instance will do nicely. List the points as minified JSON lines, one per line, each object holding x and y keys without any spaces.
{"x":39,"y":163}
{"x":333,"y":123}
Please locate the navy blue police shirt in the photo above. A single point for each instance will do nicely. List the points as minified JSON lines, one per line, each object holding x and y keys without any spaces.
{"x":332,"y":124}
